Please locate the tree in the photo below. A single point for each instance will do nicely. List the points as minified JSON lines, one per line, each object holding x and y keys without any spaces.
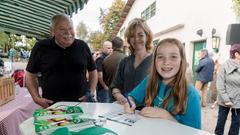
{"x":82,"y":31}
{"x":237,"y":7}
{"x":108,"y":19}
{"x":8,"y":41}
{"x":3,"y":41}
{"x":30,"y":42}
{"x":96,"y":39}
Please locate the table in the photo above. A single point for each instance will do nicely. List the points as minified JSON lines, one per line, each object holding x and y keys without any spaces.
{"x":15,"y":112}
{"x":142,"y":127}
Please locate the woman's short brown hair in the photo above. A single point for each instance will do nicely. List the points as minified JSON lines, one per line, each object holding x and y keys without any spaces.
{"x":131,"y":29}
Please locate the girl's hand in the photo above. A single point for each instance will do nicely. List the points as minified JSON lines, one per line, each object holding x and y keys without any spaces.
{"x":128,"y":109}
{"x":120,"y":98}
{"x":155,"y":112}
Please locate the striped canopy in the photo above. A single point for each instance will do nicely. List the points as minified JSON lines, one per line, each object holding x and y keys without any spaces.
{"x":32,"y":17}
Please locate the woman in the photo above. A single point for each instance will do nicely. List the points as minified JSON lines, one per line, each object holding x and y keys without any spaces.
{"x":165,"y":92}
{"x":134,"y":68}
{"x":228,"y":85}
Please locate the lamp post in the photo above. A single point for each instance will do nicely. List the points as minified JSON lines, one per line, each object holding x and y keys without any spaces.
{"x":215,"y":43}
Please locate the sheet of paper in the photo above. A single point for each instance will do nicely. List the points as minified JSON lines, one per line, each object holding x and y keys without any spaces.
{"x":121,"y":117}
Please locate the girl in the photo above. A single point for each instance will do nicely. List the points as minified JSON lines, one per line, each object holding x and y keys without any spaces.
{"x":134,"y":68}
{"x":165,"y":92}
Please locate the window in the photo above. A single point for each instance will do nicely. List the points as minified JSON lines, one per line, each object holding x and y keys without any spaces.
{"x":149,"y":12}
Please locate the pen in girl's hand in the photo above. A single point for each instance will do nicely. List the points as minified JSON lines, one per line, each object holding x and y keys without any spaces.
{"x":128,"y":100}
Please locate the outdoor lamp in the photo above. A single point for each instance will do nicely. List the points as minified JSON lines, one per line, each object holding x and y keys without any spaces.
{"x":200,"y":32}
{"x":215,"y":43}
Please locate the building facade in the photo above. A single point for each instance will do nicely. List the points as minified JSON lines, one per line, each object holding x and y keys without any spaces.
{"x":196,"y":23}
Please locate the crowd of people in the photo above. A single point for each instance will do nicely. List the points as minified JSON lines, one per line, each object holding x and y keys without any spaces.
{"x":15,"y":55}
{"x":152,"y":78}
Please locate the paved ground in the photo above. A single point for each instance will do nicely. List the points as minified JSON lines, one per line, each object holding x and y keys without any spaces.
{"x":209,"y":119}
{"x":209,"y":116}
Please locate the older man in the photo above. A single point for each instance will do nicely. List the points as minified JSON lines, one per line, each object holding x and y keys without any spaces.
{"x":63,"y":62}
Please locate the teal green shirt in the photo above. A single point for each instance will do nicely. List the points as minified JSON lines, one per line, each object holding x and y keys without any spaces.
{"x":192,"y":116}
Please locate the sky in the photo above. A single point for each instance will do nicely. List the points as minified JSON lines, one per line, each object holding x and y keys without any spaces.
{"x":90,"y":13}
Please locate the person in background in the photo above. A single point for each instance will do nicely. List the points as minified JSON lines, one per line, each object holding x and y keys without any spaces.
{"x":102,"y":88}
{"x":213,"y":86}
{"x":112,"y":61}
{"x":132,"y":69}
{"x":63,"y":62}
{"x":204,"y":74}
{"x":165,"y":93}
{"x":1,"y":63}
{"x":12,"y":54}
{"x":96,"y":55}
{"x":228,"y":89}
{"x":1,"y":67}
{"x":189,"y":74}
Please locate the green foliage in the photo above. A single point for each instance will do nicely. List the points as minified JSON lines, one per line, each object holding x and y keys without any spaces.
{"x":96,"y":39}
{"x":12,"y":40}
{"x":30,"y":42}
{"x":108,"y":19}
{"x":81,"y":31}
{"x":9,"y":41}
{"x":3,"y":40}
{"x":237,"y":7}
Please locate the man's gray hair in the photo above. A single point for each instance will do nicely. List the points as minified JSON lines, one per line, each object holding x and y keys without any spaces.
{"x":58,"y":18}
{"x":205,"y":51}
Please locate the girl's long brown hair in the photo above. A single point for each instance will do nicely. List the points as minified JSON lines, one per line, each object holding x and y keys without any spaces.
{"x":179,"y":84}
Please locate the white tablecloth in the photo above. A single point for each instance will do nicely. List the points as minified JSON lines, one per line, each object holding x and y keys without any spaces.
{"x":142,"y":127}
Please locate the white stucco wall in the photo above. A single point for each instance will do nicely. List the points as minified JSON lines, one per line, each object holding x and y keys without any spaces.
{"x":194,"y":15}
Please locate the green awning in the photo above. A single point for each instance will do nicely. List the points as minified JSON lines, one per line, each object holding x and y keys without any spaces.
{"x":32,"y":17}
